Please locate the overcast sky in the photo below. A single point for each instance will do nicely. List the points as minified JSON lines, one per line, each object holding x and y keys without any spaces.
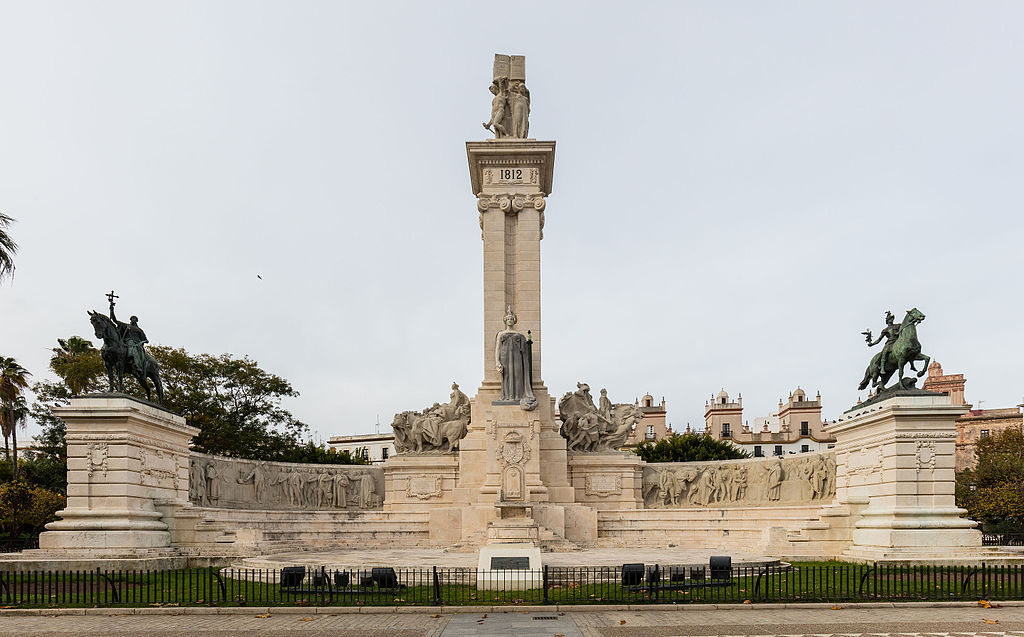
{"x":740,"y":189}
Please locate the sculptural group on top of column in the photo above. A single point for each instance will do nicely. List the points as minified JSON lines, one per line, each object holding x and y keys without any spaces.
{"x":586,"y":427}
{"x":510,"y":104}
{"x":437,"y":429}
{"x":693,"y":484}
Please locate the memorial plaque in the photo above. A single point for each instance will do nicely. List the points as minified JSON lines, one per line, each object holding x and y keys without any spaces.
{"x":510,"y":563}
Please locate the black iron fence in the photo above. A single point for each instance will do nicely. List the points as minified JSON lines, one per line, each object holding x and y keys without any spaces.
{"x":20,"y":544}
{"x":1003,"y":539}
{"x":626,"y":584}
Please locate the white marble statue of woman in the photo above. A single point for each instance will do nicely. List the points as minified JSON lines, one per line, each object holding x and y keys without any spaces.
{"x":512,"y":360}
{"x":519,"y":96}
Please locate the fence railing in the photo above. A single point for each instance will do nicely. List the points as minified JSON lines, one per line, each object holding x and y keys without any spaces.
{"x":1002,"y":539}
{"x":21,"y":544}
{"x":631,"y":584}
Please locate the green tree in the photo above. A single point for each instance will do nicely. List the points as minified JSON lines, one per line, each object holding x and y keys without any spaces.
{"x":992,"y":492}
{"x":13,"y":412}
{"x":8,"y":248}
{"x":234,"y":402}
{"x":78,"y":364}
{"x":689,"y":447}
{"x":27,"y":508}
{"x":319,"y":454}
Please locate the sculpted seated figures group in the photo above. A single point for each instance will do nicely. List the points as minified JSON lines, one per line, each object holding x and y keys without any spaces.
{"x":586,"y":427}
{"x":438,"y":428}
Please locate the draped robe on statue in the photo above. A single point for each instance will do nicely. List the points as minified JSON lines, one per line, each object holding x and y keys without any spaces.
{"x":515,"y":361}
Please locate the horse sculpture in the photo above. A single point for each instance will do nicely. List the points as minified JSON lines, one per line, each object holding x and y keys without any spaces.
{"x":906,"y":349}
{"x":117,"y":361}
{"x":586,"y":429}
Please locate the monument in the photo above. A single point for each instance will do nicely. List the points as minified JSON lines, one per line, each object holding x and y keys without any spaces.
{"x":499,"y":473}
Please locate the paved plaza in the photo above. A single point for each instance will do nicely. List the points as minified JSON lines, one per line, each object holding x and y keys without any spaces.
{"x":816,"y":620}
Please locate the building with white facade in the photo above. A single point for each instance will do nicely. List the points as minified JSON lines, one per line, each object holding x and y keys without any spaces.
{"x":797,"y":427}
{"x":373,"y":447}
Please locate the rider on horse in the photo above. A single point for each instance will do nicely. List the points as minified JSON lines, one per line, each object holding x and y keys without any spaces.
{"x":134,"y":339}
{"x":890,"y":332}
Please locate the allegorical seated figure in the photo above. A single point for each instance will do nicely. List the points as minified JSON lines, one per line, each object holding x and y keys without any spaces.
{"x":438,"y":428}
{"x":587,"y":428}
{"x":513,"y":360}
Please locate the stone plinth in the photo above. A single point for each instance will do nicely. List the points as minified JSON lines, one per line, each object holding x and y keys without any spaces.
{"x":897,"y":456}
{"x":509,"y":567}
{"x":611,"y":480}
{"x":412,"y":481}
{"x":125,"y":456}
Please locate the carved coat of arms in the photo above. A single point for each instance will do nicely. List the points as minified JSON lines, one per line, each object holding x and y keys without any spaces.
{"x":513,"y":450}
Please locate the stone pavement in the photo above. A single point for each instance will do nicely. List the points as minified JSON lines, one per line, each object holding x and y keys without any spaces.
{"x":732,"y":621}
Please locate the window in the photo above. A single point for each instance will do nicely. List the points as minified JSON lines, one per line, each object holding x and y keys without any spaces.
{"x":984,"y":433}
{"x":804,"y":448}
{"x":778,"y":450}
{"x":650,"y":432}
{"x":757,"y":452}
{"x":805,"y":430}
{"x":384,"y":453}
{"x":725,"y":430}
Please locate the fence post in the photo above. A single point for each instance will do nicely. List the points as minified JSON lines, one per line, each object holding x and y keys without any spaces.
{"x":544,"y":580}
{"x":209,"y":585}
{"x":437,"y":589}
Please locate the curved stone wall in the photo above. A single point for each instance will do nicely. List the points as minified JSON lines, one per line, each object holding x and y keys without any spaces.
{"x":803,"y":478}
{"x":231,"y":483}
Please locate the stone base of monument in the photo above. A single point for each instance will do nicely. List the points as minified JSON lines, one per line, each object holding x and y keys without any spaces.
{"x":607,"y":480}
{"x":508,"y":567}
{"x":124,"y":455}
{"x":898,"y":455}
{"x":413,"y":481}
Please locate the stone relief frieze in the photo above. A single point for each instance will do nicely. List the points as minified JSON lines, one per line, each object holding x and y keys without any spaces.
{"x":805,"y":478}
{"x":255,"y":484}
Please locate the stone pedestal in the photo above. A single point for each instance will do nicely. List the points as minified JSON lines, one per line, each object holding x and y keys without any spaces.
{"x":897,"y":456}
{"x":125,"y":456}
{"x":514,"y":567}
{"x":410,"y":481}
{"x":612,"y":480}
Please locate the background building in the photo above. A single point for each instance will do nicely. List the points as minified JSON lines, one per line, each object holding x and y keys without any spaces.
{"x":653,"y":427}
{"x":975,"y":424}
{"x":373,"y":447}
{"x":797,"y":427}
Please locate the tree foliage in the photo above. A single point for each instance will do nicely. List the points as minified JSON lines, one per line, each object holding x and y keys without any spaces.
{"x":993,"y":492}
{"x":8,"y":248}
{"x":689,"y":447}
{"x":234,"y":402}
{"x":13,"y":410}
{"x":25,"y":508}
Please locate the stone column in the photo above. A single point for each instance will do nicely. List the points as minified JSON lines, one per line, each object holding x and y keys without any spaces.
{"x":897,"y":457}
{"x":124,"y":456}
{"x":508,"y":450}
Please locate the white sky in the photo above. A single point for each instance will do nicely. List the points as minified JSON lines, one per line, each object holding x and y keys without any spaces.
{"x":740,"y":189}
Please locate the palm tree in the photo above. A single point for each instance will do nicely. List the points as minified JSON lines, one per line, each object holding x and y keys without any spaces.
{"x":13,"y":379}
{"x":78,"y":364}
{"x":8,"y":248}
